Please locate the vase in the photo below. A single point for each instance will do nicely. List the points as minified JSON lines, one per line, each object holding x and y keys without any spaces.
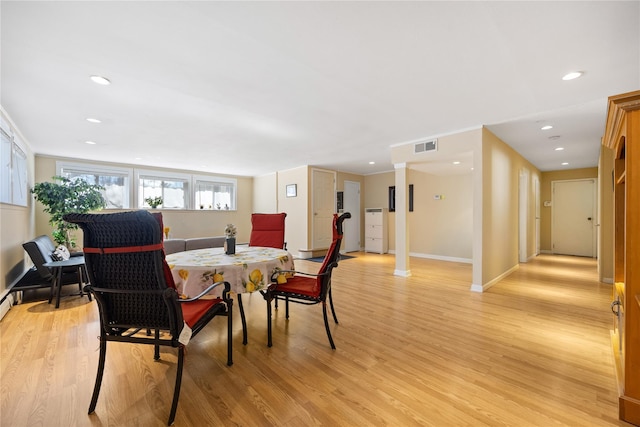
{"x":230,"y":245}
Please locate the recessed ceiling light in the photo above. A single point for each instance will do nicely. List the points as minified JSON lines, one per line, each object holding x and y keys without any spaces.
{"x":559,"y":148}
{"x":101,"y":80}
{"x":565,"y":163}
{"x":572,"y":75}
{"x":92,"y":120}
{"x":554,"y":137}
{"x":90,"y":142}
{"x":546,"y":127}
{"x":372,"y":163}
{"x":456,"y":162}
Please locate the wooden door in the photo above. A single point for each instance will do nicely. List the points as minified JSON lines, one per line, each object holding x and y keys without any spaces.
{"x":324,"y":201}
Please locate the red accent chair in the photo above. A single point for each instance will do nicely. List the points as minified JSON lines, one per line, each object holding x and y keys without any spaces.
{"x":306,"y":288}
{"x":135,"y":291}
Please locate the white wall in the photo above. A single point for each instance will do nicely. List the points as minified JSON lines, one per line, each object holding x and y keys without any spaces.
{"x":265,"y":193}
{"x":441,"y":228}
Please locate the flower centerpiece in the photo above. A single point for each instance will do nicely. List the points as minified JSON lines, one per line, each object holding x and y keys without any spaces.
{"x":230,"y":242}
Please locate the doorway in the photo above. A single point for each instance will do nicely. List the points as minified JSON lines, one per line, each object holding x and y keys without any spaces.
{"x":351,"y":227}
{"x":573,"y":217}
{"x":323,"y":187}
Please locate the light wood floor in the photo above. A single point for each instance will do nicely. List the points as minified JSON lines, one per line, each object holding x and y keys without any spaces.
{"x":532,"y":351}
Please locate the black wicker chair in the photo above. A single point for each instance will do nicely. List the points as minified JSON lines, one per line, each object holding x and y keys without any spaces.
{"x":134,"y":288}
{"x":306,"y":288}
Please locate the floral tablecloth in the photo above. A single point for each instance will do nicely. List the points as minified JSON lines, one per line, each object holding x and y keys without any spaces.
{"x":248,"y":270}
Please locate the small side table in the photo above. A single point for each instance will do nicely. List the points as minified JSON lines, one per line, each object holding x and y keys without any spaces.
{"x":57,"y":268}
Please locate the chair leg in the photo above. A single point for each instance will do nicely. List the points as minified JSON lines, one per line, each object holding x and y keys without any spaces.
{"x":326,"y":325}
{"x":230,"y":332}
{"x":286,"y":305}
{"x":85,"y":280}
{"x":243,"y":319}
{"x":176,"y":390}
{"x":333,"y":311}
{"x":269,"y":343}
{"x":156,"y":350}
{"x":96,"y":388}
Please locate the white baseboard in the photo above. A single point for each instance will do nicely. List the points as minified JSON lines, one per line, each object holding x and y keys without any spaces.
{"x":6,"y":305}
{"x":441,"y":257}
{"x":402,"y":273}
{"x":482,"y":288}
{"x":476,"y":288}
{"x":436,"y":257}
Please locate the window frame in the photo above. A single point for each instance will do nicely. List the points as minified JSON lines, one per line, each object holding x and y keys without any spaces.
{"x":215,"y":180}
{"x":164,"y":176}
{"x":14,"y":189}
{"x":91,"y":168}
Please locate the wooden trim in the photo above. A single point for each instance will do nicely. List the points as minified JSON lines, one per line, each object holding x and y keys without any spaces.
{"x":629,"y":409}
{"x":619,"y":105}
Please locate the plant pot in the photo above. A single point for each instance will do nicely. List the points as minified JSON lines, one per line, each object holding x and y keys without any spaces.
{"x":230,"y":245}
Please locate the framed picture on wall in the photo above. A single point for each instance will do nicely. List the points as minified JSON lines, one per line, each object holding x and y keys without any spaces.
{"x":292,"y":190}
{"x":392,"y":199}
{"x":410,"y":197}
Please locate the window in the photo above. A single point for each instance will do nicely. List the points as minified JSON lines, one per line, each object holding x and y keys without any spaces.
{"x":178,"y":190}
{"x":116,"y":181}
{"x":215,"y":193}
{"x":13,"y":161}
{"x":173,"y":188}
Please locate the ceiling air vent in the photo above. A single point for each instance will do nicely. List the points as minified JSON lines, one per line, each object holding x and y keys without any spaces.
{"x":421,"y":147}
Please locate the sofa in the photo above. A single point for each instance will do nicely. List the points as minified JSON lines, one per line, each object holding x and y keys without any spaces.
{"x":179,"y":245}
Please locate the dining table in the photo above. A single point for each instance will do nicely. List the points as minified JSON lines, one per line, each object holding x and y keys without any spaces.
{"x":248,"y":270}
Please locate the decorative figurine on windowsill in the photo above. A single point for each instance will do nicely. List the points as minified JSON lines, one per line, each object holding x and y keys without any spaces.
{"x":230,"y":242}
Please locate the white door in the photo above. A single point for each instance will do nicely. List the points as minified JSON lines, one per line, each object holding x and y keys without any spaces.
{"x":351,"y":204}
{"x":573,"y":217}
{"x":323,"y":186}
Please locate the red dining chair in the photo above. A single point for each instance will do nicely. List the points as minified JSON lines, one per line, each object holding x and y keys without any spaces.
{"x":307,"y":288}
{"x":268,"y":230}
{"x":134,"y":288}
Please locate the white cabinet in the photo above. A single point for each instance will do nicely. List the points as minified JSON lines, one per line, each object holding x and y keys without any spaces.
{"x":376,"y":230}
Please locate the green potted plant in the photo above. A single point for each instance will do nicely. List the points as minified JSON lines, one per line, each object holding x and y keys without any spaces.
{"x":62,"y":196}
{"x":154,"y":202}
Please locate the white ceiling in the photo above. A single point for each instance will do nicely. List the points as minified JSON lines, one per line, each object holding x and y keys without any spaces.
{"x":248,"y":88}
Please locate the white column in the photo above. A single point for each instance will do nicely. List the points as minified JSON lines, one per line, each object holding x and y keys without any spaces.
{"x":402,"y":231}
